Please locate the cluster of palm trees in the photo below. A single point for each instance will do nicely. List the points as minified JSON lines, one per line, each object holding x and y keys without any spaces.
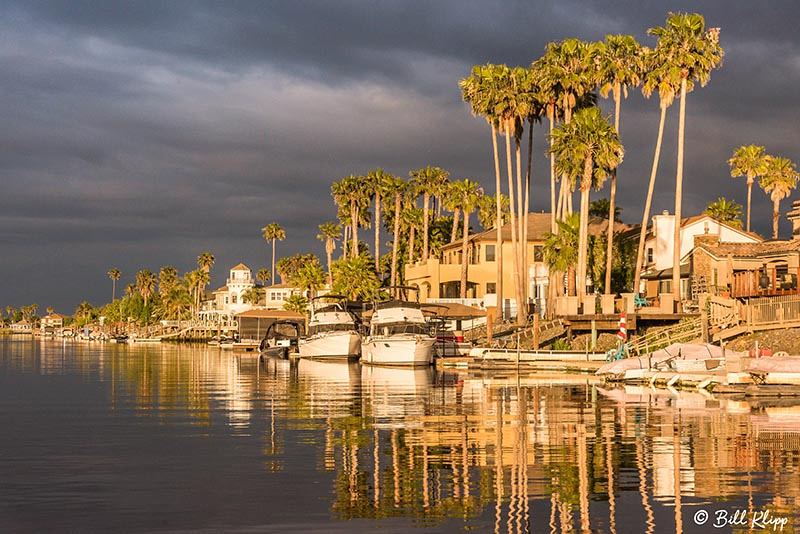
{"x":777,"y":177}
{"x":395,"y":203}
{"x":584,"y":148}
{"x":165,"y":296}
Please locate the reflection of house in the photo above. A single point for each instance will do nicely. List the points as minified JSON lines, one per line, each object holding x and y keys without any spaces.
{"x":657,"y":275}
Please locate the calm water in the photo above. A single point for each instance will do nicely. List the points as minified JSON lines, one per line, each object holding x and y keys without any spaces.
{"x":168,"y":438}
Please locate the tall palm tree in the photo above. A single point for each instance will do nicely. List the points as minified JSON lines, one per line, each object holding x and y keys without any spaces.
{"x":726,"y":211}
{"x":262,"y":275}
{"x":273,"y":232}
{"x":145,"y":284}
{"x":658,"y":78}
{"x":486,"y":211}
{"x":351,"y":195}
{"x":205,"y":261}
{"x":411,"y":217}
{"x":588,"y":147}
{"x":114,"y":274}
{"x":620,"y":65}
{"x":376,"y":179}
{"x":569,"y":64}
{"x":329,"y":233}
{"x":469,"y":193}
{"x":780,"y":177}
{"x":479,"y":91}
{"x":452,"y":202}
{"x":690,"y":52}
{"x":748,"y":161}
{"x":395,"y":188}
{"x":167,"y":276}
{"x":428,"y":181}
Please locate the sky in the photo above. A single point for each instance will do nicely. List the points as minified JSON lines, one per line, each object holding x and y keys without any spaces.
{"x":142,"y":134}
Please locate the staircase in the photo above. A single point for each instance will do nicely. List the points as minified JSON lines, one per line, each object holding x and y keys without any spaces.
{"x":547,"y":331}
{"x":684,"y":331}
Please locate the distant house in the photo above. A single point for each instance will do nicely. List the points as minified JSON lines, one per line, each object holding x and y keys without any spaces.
{"x":277,"y":294}
{"x":53,"y":321}
{"x":21,"y":327}
{"x":657,"y":268}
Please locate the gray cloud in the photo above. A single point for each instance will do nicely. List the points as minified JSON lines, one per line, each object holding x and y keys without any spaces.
{"x":141,"y":134}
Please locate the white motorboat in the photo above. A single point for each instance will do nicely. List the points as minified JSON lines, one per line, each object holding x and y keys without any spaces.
{"x":332,"y":331}
{"x":399,"y":335}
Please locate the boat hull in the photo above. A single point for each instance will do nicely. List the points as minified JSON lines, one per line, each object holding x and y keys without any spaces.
{"x":331,"y":346}
{"x":411,"y":351}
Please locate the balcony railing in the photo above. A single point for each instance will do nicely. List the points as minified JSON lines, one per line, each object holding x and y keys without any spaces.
{"x":765,"y":282}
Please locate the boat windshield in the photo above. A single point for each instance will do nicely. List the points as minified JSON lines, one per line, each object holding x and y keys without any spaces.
{"x":391,"y":329}
{"x":335,"y":327}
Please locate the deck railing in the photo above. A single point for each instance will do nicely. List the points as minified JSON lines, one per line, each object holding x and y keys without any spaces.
{"x":781,"y":310}
{"x":764,"y":282}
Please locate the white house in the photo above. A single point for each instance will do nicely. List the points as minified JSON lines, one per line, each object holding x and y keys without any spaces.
{"x":658,"y":247}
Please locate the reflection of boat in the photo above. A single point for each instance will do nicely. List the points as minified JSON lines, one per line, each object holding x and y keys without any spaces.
{"x":397,"y":394}
{"x":399,"y":335}
{"x":332,"y":330}
{"x":330,"y":372}
{"x":281,"y":338}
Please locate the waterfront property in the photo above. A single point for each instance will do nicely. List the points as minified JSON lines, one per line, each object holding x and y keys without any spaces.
{"x":440,"y":277}
{"x":657,"y":267}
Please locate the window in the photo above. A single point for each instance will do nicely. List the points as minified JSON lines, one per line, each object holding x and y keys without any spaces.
{"x":490,"y":253}
{"x":649,"y":254}
{"x":538,"y":253}
{"x":233,"y":299}
{"x":491,"y":287}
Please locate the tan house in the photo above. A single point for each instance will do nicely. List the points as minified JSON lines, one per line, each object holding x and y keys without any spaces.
{"x":52,"y":322}
{"x":440,"y":277}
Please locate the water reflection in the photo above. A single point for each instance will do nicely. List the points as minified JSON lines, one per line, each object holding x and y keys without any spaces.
{"x":511,"y":454}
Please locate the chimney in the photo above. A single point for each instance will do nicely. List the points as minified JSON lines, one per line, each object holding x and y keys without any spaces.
{"x":706,"y":239}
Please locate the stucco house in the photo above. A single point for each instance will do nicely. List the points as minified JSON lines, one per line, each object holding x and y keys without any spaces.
{"x":657,"y":269}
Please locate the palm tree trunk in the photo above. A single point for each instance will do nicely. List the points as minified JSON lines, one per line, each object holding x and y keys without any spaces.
{"x":676,"y":239}
{"x":610,"y":236}
{"x":584,"y":226}
{"x":411,"y":245}
{"x":498,"y":226}
{"x":612,"y":200}
{"x":522,"y":311}
{"x":553,"y":227}
{"x":526,"y":207}
{"x":454,"y":231}
{"x":637,"y":275}
{"x":749,"y":195}
{"x":464,"y":259}
{"x":395,"y":238}
{"x":776,"y":212}
{"x":329,"y":252}
{"x":426,"y":197}
{"x":354,"y":223}
{"x":514,"y":244}
{"x":377,"y":233}
{"x":273,"y":261}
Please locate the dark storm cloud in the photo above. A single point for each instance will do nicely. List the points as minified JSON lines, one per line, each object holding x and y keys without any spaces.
{"x":141,"y":134}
